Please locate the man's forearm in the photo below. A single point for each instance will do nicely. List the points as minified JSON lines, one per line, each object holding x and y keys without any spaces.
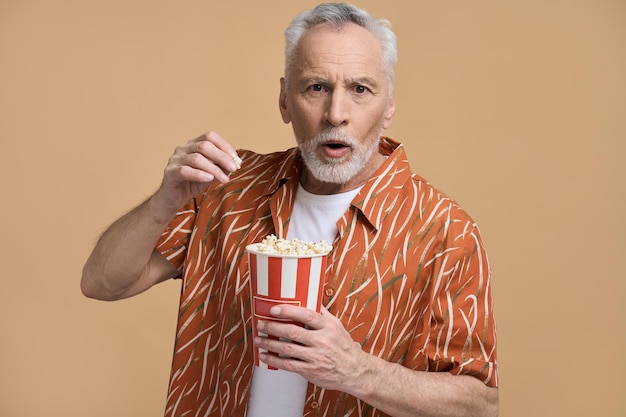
{"x":122,"y":262}
{"x":399,"y":391}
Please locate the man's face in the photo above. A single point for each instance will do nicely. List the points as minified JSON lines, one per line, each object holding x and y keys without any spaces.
{"x":338,"y":100}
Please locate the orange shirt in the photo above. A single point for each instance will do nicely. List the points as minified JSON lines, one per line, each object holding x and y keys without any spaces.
{"x":408,"y":277}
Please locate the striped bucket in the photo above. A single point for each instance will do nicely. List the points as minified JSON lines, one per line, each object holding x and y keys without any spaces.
{"x":283,"y":279}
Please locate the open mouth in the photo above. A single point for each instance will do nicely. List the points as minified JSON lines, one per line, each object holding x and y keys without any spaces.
{"x":335,"y":145}
{"x":335,"y":149}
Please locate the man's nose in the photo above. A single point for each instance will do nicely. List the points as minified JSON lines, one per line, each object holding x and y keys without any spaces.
{"x":337,"y":108}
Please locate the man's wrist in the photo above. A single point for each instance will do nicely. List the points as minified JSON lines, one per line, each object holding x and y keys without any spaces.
{"x":365,"y":383}
{"x":159,"y":212}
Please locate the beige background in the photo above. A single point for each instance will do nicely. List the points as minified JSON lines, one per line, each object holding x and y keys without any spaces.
{"x":516,"y":108}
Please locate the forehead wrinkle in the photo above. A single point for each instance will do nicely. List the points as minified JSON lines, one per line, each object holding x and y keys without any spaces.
{"x":349,"y":72}
{"x":336,"y":59}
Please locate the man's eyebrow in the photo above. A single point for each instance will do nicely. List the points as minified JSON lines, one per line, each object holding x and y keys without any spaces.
{"x":307,"y":80}
{"x":363,"y":81}
{"x":367,"y":81}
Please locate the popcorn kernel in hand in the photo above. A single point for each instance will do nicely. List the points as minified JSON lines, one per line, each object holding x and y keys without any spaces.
{"x":237,"y":161}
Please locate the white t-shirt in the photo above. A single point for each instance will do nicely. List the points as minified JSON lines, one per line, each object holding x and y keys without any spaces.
{"x":315,"y":216}
{"x":279,"y":393}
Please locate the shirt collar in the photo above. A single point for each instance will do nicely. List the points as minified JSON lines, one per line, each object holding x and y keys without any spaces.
{"x":379,"y":192}
{"x":287,"y":172}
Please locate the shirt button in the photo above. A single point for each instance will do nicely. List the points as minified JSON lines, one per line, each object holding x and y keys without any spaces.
{"x":329,"y":292}
{"x":314,"y":404}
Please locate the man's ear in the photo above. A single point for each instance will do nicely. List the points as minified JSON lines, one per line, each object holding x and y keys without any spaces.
{"x":391,"y":110}
{"x":282,"y":102}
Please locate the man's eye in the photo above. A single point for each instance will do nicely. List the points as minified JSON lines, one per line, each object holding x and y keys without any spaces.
{"x":317,"y":87}
{"x":359,"y":89}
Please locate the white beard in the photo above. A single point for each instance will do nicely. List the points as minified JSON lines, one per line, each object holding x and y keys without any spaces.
{"x":336,"y":170}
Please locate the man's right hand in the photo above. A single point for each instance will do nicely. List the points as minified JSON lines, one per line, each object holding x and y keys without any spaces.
{"x":192,"y":168}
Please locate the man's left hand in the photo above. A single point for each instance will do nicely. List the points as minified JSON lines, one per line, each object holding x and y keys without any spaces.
{"x":322,"y":352}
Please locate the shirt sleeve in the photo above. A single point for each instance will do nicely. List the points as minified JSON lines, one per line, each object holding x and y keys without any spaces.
{"x":175,"y":239}
{"x":462,"y":325}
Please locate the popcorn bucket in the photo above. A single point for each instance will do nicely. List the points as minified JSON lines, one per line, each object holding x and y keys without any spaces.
{"x":283,"y":279}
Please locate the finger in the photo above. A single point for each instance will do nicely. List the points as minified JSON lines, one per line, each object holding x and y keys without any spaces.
{"x":281,"y":347}
{"x":188,"y":165}
{"x":186,"y":173}
{"x":204,"y":158}
{"x":216,"y":148}
{"x":222,"y":144}
{"x":303,"y":315}
{"x":214,"y":154}
{"x":285,"y":330}
{"x":284,"y":363}
{"x":199,"y":162}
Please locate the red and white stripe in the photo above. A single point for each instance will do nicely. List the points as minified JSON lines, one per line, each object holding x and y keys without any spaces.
{"x":277,"y":280}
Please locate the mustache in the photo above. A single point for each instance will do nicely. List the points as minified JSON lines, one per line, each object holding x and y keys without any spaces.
{"x":334,"y":134}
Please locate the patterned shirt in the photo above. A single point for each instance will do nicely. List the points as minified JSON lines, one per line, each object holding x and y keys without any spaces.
{"x":408,"y":277}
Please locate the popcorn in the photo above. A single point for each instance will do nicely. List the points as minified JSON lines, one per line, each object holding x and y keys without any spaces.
{"x":273,"y":245}
{"x":237,"y":160}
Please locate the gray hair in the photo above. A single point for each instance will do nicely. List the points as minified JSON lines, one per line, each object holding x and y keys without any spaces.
{"x":338,"y":15}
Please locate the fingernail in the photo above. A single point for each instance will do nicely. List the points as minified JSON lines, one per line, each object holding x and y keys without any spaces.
{"x":275,"y":311}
